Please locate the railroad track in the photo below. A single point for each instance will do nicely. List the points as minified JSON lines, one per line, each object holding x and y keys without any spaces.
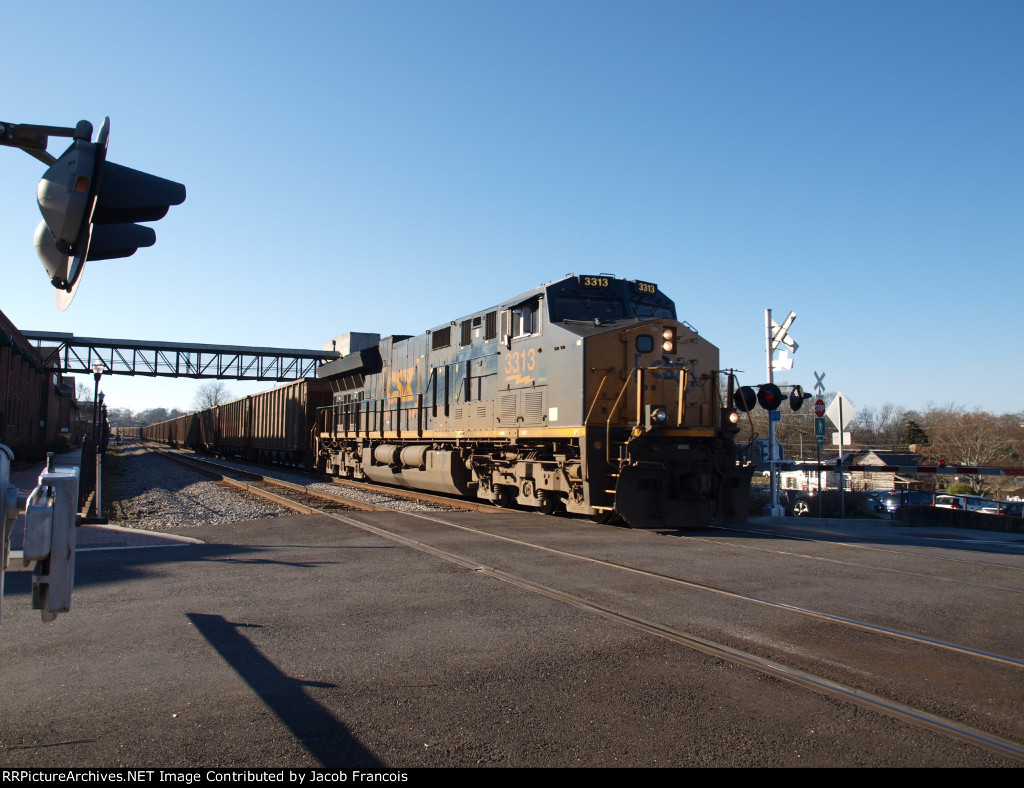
{"x":304,"y":499}
{"x":827,"y":654}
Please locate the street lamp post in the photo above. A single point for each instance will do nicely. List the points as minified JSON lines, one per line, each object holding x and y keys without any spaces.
{"x":97,"y":373}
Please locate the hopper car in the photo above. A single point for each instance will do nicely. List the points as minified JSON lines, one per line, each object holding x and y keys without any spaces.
{"x":271,"y":427}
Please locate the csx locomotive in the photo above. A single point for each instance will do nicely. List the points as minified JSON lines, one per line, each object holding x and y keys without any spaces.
{"x":586,"y":395}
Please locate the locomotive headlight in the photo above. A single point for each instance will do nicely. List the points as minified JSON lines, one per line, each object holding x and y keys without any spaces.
{"x":659,"y":416}
{"x":669,"y":345}
{"x":734,"y":418}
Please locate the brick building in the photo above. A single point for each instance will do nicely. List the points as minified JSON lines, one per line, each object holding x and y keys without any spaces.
{"x":36,"y":405}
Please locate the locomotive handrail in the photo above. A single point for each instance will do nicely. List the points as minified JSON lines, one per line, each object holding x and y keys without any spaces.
{"x":597,"y":395}
{"x":680,"y":405}
{"x":684,"y":382}
{"x":611,"y":413}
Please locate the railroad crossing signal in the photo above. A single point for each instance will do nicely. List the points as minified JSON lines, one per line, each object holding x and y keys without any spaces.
{"x":780,"y":334}
{"x":90,"y":207}
{"x":768,"y":396}
{"x":797,"y":397}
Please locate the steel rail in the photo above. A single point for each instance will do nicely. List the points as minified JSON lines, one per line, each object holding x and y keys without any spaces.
{"x":873,"y":567}
{"x":796,"y":538}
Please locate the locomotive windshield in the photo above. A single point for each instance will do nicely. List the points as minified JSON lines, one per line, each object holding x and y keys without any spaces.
{"x":645,"y":308}
{"x":604,"y":299}
{"x":587,"y":309}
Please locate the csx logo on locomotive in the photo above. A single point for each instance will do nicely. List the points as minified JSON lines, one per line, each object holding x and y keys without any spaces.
{"x":401,"y":384}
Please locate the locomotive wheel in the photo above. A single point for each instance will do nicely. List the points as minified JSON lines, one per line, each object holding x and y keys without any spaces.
{"x":506,"y":496}
{"x":549,"y":504}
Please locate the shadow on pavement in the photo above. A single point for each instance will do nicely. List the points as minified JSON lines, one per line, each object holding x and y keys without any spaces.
{"x":327,"y":739}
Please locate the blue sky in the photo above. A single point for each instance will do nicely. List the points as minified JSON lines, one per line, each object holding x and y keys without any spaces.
{"x":387,"y":166}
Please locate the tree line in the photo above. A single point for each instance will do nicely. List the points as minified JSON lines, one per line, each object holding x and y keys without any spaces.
{"x":946,"y":433}
{"x":950,"y":434}
{"x":208,"y":395}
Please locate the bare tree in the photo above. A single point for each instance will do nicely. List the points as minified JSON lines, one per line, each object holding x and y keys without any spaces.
{"x":211,"y":394}
{"x":120,"y":417}
{"x":151,"y":416}
{"x":973,"y":438}
{"x":881,"y":428}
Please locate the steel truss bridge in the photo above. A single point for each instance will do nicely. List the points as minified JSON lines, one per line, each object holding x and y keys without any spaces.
{"x":68,"y":354}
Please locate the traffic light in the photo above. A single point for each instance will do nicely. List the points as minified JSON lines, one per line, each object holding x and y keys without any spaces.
{"x":90,"y":207}
{"x":769,"y":396}
{"x":797,"y":397}
{"x":745,"y":399}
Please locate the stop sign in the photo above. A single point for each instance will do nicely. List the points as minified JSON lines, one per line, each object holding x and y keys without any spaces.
{"x":819,"y":408}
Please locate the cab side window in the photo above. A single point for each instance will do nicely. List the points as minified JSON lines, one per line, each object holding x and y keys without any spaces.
{"x":523,"y":319}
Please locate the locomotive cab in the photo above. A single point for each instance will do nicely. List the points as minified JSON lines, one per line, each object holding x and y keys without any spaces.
{"x":658,"y":446}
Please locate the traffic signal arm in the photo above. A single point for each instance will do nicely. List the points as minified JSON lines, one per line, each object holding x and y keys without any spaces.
{"x":34,"y":139}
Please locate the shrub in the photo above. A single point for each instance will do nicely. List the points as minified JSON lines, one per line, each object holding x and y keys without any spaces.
{"x":59,"y":445}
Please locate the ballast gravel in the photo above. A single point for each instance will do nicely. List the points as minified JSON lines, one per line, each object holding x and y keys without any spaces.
{"x":143,"y":490}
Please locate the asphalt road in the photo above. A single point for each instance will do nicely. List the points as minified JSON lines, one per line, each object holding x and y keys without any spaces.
{"x":299,"y":641}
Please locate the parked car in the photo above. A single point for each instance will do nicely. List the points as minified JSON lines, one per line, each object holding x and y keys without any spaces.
{"x":966,"y":503}
{"x":801,"y":503}
{"x":1010,"y":508}
{"x":831,"y":503}
{"x":892,"y":500}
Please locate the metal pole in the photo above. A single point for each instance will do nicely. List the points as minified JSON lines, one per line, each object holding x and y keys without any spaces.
{"x":819,"y":480}
{"x":97,"y":374}
{"x":772,"y":449}
{"x":96,"y":408}
{"x":842,"y":493}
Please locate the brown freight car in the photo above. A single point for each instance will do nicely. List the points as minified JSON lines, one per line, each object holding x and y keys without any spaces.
{"x":273,"y":426}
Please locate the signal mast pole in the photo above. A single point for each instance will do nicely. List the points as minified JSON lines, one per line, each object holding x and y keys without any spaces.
{"x":776,"y":509}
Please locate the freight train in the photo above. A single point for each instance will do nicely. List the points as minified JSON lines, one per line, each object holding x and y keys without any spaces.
{"x":587,"y":395}
{"x":269,"y":427}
